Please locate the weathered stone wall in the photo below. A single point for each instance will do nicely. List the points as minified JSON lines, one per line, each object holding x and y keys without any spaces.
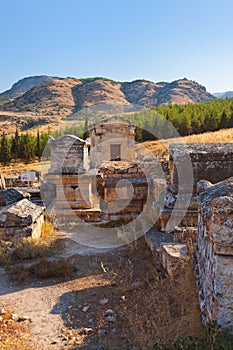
{"x":214,"y":256}
{"x":210,"y":161}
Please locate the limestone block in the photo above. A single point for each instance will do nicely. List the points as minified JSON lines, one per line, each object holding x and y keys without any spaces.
{"x":174,"y":256}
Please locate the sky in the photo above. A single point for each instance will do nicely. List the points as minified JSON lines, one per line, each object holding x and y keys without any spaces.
{"x":157,"y":40}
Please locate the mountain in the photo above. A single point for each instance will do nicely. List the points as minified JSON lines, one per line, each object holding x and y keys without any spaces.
{"x":52,"y":99}
{"x":24,"y":85}
{"x":228,"y":94}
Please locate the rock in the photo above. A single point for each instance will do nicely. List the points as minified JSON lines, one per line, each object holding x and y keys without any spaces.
{"x":88,"y":331}
{"x":1,"y":318}
{"x":112,"y":318}
{"x":24,"y":318}
{"x":101,"y":332}
{"x":173,"y":257}
{"x":2,"y":311}
{"x":170,"y":200}
{"x":85,"y":308}
{"x":104,"y":301}
{"x":136,"y":284}
{"x":14,"y":316}
{"x":109,"y":312}
{"x":203,"y":185}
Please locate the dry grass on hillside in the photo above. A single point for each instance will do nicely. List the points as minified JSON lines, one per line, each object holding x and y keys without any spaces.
{"x":160,"y":147}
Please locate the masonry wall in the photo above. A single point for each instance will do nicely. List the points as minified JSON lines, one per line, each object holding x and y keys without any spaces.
{"x":214,"y":256}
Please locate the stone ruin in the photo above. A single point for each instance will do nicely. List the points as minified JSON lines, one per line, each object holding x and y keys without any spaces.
{"x":214,"y":253}
{"x":19,"y":217}
{"x":107,"y":186}
{"x":205,"y":234}
{"x":208,"y":161}
{"x":113,"y":184}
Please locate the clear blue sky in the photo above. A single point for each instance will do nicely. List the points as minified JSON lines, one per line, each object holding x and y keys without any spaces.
{"x":119,"y":39}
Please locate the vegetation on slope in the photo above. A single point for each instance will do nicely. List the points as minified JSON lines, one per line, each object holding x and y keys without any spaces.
{"x":187,"y":119}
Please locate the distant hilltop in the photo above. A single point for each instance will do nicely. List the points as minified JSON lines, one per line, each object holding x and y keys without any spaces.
{"x":38,"y":100}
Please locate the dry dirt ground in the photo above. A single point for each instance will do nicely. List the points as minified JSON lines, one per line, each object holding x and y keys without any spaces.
{"x":114,"y":299}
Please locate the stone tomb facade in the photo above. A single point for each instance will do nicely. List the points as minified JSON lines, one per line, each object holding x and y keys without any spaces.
{"x":112,"y":139}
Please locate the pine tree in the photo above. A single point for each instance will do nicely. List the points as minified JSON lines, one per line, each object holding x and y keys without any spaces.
{"x":38,"y":150}
{"x":223,"y":121}
{"x":230,"y":123}
{"x":5,"y":150}
{"x":15,"y":146}
{"x":27,"y":147}
{"x":86,"y":133}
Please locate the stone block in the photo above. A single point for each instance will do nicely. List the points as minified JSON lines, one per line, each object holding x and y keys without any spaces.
{"x":174,"y":257}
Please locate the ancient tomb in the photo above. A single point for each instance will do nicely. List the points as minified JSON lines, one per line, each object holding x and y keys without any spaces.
{"x":214,"y":255}
{"x":68,"y":188}
{"x":112,"y":139}
{"x":113,"y":187}
{"x":21,"y":219}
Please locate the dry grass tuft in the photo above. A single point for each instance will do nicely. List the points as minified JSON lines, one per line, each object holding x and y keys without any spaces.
{"x":14,"y":335}
{"x":30,"y":248}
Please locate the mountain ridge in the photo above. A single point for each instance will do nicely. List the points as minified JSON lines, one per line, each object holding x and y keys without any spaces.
{"x":55,"y":98}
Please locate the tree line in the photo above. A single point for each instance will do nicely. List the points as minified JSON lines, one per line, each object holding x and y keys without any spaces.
{"x":186,"y":119}
{"x":25,"y":146}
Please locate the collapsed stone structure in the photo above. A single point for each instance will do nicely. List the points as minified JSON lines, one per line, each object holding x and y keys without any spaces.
{"x":214,"y":254}
{"x":208,"y":161}
{"x":206,"y":231}
{"x":21,"y":219}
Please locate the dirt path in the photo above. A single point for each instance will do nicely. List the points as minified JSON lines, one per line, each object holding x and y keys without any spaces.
{"x":126,"y":307}
{"x":46,"y":304}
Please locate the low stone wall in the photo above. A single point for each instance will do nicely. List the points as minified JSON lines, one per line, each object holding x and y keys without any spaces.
{"x":214,"y":255}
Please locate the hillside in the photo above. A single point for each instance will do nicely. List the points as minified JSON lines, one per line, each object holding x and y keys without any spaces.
{"x":24,"y":85}
{"x":51,"y":99}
